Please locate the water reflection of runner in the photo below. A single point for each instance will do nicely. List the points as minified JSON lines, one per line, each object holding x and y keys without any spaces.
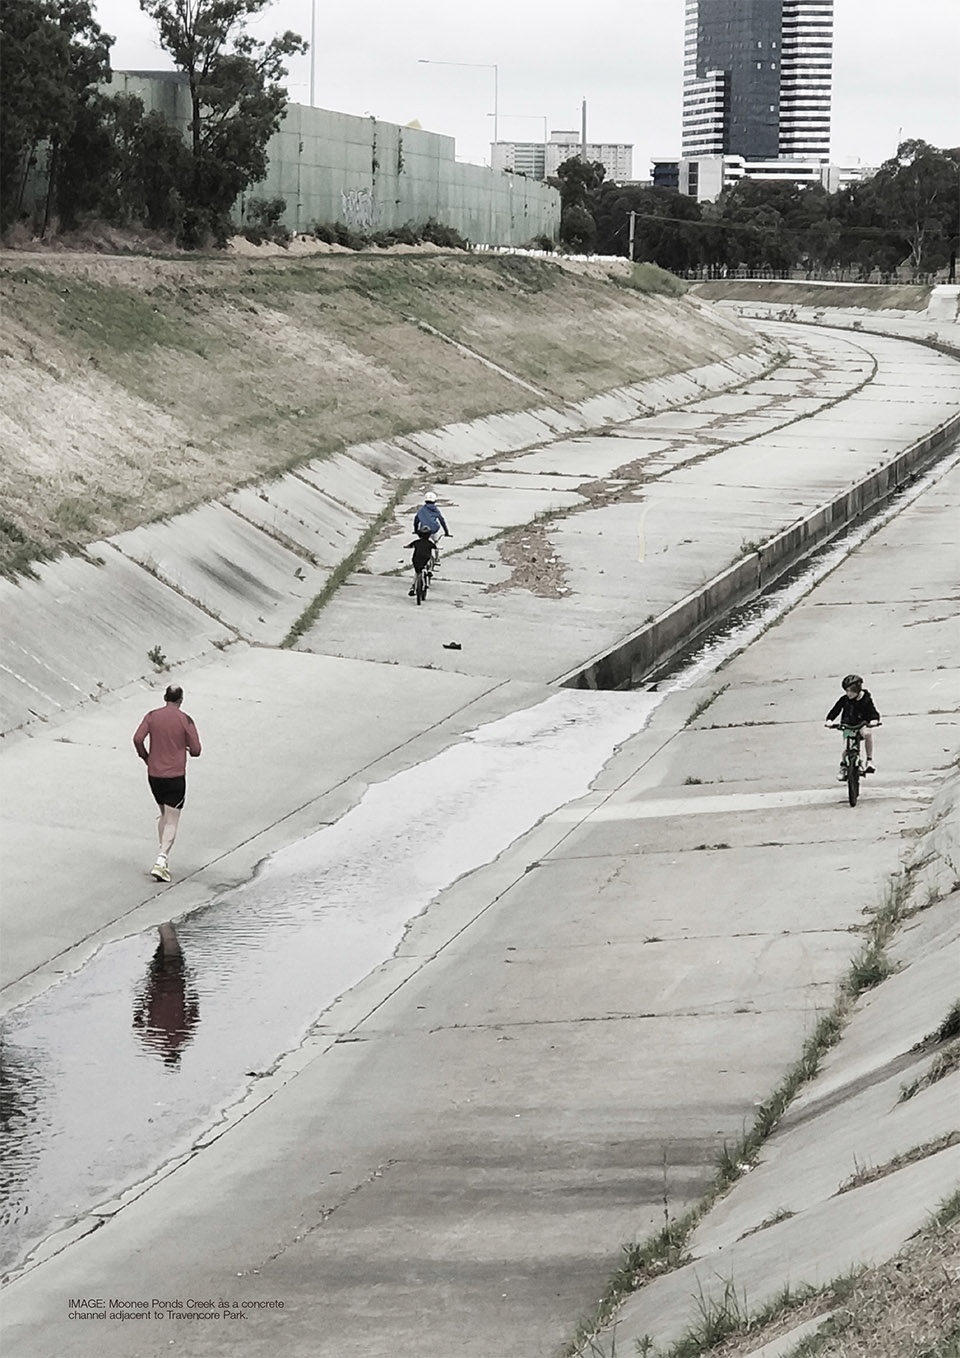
{"x":165,"y":1013}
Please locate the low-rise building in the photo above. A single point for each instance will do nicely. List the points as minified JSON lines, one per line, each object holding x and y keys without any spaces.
{"x":705,"y":177}
{"x":541,"y":160}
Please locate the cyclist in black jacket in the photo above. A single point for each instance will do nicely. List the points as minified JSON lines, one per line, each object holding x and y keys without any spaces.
{"x":855,"y":707}
{"x":423,"y":549}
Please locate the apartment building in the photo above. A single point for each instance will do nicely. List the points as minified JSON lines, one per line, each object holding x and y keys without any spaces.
{"x":540,"y":160}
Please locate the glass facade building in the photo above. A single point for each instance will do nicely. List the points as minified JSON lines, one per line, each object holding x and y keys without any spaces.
{"x":757,"y":78}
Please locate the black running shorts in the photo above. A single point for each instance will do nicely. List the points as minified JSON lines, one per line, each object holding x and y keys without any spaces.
{"x":169,"y":791}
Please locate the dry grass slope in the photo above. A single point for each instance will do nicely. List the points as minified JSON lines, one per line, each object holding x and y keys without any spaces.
{"x":870,"y":297}
{"x":136,"y":386}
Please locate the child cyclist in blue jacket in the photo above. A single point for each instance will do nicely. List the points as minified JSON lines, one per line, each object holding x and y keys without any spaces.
{"x":429,"y":520}
{"x":855,"y":707}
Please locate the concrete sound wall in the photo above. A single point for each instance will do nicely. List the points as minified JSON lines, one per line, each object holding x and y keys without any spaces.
{"x":371,"y":175}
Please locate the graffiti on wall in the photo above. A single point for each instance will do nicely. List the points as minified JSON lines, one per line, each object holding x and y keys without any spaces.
{"x":359,"y":209}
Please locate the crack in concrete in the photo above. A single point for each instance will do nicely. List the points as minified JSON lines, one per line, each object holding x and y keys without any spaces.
{"x":600,"y":494}
{"x":325,"y":1214}
{"x":629,"y":1016}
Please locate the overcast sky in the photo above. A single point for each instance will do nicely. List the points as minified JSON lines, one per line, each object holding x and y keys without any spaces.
{"x":895,"y":68}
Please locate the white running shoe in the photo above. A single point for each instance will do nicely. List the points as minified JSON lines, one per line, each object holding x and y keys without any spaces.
{"x":160,"y":872}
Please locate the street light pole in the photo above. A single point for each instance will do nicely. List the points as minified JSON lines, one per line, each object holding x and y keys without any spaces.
{"x":313,"y":49}
{"x":482,"y":66}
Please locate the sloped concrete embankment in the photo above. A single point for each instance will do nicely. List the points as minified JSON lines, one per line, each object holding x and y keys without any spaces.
{"x":927,"y":315}
{"x":867,"y":1150}
{"x":244,"y":568}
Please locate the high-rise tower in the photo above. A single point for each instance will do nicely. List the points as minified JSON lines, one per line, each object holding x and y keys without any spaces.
{"x":757,"y":78}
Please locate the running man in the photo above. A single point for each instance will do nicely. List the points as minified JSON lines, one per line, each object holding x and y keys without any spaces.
{"x":163,"y":740}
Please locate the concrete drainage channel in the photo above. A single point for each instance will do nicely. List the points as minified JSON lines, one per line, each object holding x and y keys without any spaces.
{"x":657,"y":645}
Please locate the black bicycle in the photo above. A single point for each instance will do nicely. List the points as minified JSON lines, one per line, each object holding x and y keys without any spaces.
{"x":851,"y":765}
{"x":423,"y":579}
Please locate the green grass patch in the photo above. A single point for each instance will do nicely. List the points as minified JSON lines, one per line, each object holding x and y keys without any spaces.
{"x":651,"y":280}
{"x":864,"y":1175}
{"x":349,"y":564}
{"x":870,"y":296}
{"x":19,"y":552}
{"x":949,"y":1028}
{"x":702,"y":706}
{"x":111,"y":317}
{"x":667,"y":1250}
{"x":945,"y":1064}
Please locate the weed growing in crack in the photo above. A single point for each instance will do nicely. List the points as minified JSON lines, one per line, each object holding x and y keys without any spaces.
{"x":949,"y":1028}
{"x":945,"y":1064}
{"x":701,"y":707}
{"x":667,"y":1249}
{"x":869,"y":968}
{"x":864,"y":1175}
{"x":310,"y":614}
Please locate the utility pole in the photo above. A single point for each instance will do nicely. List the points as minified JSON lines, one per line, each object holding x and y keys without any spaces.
{"x":583,"y":132}
{"x":633,"y":223}
{"x":313,"y":49}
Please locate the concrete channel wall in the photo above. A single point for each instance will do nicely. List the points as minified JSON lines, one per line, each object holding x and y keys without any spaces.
{"x":652,"y":646}
{"x":372,"y":175}
{"x":246,"y":567}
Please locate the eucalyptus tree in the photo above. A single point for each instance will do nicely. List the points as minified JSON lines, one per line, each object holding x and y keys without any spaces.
{"x":237,"y":99}
{"x":53,"y":55}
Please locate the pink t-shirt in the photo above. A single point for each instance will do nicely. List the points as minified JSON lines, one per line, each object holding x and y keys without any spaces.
{"x":171,"y":733}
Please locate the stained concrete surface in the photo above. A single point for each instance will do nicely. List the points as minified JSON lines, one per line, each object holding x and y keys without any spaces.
{"x":454,"y":1159}
{"x":691,"y":517}
{"x":450,"y":1161}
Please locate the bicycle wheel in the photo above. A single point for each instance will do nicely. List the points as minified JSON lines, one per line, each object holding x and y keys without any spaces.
{"x":420,"y":587}
{"x":853,"y":778}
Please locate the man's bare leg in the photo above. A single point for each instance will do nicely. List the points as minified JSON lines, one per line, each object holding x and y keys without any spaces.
{"x":167,"y":824}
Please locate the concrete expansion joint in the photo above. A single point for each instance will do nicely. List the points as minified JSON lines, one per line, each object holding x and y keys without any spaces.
{"x":289,"y":544}
{"x":151,"y":568}
{"x":324,"y":1213}
{"x":481,"y":358}
{"x":600,"y":495}
{"x":504,"y":1028}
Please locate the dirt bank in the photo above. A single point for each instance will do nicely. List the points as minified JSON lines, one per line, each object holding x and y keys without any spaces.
{"x":869,"y":296}
{"x":134,"y":387}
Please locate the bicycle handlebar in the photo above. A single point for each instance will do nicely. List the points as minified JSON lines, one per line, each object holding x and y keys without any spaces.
{"x":839,"y":725}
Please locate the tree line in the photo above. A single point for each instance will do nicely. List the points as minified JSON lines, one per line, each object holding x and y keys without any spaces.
{"x":906,"y":216}
{"x":103,"y":155}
